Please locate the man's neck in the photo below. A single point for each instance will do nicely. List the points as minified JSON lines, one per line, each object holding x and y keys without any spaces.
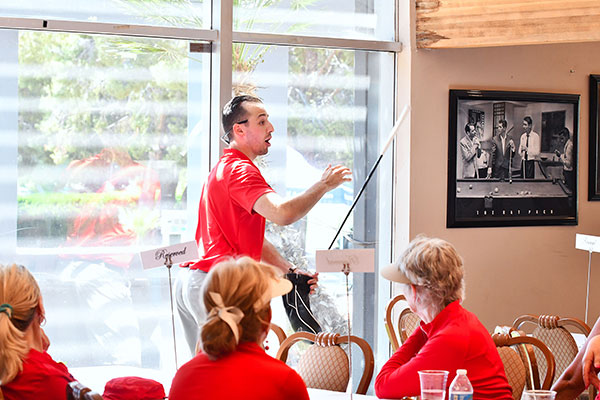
{"x":235,"y":146}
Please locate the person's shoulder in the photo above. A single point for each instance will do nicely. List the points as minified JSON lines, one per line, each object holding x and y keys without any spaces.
{"x":236,"y":161}
{"x":40,"y":358}
{"x":471,"y":324}
{"x":198,"y":361}
{"x":457,"y":318}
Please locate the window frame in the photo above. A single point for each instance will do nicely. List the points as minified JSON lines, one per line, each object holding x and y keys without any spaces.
{"x":220,"y":38}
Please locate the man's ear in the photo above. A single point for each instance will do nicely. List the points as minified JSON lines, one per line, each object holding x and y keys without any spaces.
{"x":237,"y":130}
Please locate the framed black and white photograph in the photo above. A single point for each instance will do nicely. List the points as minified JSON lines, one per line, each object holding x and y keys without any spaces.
{"x":512,"y":158}
{"x":594,"y":175}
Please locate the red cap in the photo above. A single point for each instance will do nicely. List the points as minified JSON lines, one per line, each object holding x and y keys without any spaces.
{"x":133,"y":388}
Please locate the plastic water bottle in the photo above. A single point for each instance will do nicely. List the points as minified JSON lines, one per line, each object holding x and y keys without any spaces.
{"x":460,"y":388}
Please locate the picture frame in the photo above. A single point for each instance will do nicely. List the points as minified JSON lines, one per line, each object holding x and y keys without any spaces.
{"x":512,"y":158}
{"x":594,"y":149}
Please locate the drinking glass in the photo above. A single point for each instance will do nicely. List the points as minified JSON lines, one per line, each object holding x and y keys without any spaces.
{"x":433,"y":384}
{"x":539,"y":395}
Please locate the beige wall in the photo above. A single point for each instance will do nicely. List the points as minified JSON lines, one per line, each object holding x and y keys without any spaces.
{"x":509,"y":271}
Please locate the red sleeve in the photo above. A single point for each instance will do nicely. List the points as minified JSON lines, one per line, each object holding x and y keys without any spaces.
{"x":246,"y":185}
{"x":399,"y":376}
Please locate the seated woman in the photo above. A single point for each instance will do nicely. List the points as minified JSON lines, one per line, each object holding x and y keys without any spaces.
{"x":583,"y":370}
{"x":232,"y":364}
{"x":26,"y":370}
{"x":449,"y":337}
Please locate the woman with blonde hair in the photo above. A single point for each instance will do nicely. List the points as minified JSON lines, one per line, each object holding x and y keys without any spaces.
{"x":232,"y":363}
{"x":26,"y":370}
{"x":432,"y":276}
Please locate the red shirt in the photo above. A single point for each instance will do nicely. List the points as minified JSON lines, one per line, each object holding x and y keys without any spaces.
{"x":227,"y":223}
{"x":41,"y":378}
{"x":455,"y":339}
{"x":248,"y":373}
{"x":134,"y":187}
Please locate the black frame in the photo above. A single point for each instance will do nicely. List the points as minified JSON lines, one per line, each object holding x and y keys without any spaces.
{"x":594,"y":167}
{"x":549,"y":198}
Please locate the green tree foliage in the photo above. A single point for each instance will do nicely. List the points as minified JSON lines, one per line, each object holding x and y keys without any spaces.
{"x":79,"y":94}
{"x":83,"y":93}
{"x":308,"y":68}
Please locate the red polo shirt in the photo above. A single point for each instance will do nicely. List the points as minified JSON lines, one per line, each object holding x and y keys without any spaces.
{"x":41,"y":378}
{"x":248,"y":373}
{"x":455,"y":339}
{"x":227,"y":223}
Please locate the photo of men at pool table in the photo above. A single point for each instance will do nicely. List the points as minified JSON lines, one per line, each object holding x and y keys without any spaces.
{"x":512,"y":158}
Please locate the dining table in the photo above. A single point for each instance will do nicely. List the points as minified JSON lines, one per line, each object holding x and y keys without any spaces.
{"x":321,"y":394}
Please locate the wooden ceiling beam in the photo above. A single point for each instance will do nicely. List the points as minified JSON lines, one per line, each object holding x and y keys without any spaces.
{"x":482,"y":23}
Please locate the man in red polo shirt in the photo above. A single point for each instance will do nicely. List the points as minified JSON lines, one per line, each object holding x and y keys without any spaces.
{"x":235,"y":202}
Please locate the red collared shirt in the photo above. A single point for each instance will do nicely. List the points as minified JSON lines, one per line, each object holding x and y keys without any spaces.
{"x":227,"y":223}
{"x":248,"y":373}
{"x":41,"y":378}
{"x":455,"y":339}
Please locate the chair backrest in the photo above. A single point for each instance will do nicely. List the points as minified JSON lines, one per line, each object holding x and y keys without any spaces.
{"x":552,"y":330}
{"x":273,"y":340}
{"x":281,"y":336}
{"x":325,"y":365}
{"x":521,"y":363}
{"x":407,"y":322}
{"x":77,"y":391}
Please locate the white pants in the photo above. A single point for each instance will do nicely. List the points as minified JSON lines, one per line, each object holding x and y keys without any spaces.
{"x":188,"y":294}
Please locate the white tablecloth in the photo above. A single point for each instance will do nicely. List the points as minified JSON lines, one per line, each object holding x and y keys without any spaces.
{"x":319,"y":394}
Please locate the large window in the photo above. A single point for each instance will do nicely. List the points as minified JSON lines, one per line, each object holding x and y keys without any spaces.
{"x":107,"y":139}
{"x":323,"y":104}
{"x":356,"y":19}
{"x":105,"y":131}
{"x":188,"y":14}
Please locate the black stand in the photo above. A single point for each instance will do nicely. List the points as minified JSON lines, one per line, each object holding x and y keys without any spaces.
{"x":169,"y":264}
{"x":346,"y":271}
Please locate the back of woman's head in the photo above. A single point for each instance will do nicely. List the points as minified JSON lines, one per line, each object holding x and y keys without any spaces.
{"x":237,"y":299}
{"x":435,"y":265}
{"x":19,"y":299}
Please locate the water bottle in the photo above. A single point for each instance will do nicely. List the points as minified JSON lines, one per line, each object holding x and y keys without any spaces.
{"x":461,"y":388}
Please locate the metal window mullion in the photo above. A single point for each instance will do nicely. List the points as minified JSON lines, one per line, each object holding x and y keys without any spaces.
{"x":161,"y":32}
{"x":316,"y":41}
{"x":221,"y":72}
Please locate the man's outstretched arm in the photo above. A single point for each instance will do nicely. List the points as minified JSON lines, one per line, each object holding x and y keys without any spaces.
{"x":287,"y":211}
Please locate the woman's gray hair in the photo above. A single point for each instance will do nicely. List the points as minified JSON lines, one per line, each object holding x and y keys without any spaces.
{"x":434,"y":265}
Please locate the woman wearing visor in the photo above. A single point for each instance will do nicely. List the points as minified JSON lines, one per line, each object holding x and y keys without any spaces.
{"x":432,"y":276}
{"x":232,"y":363}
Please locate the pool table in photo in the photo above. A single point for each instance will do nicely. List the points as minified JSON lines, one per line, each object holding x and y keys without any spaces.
{"x":493,"y":199}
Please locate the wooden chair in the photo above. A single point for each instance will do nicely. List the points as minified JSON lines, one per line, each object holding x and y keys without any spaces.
{"x":521,"y":364}
{"x":77,"y":391}
{"x":407,"y":322}
{"x":281,"y":336}
{"x":552,"y":330}
{"x":324,"y":365}
{"x":274,"y":338}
